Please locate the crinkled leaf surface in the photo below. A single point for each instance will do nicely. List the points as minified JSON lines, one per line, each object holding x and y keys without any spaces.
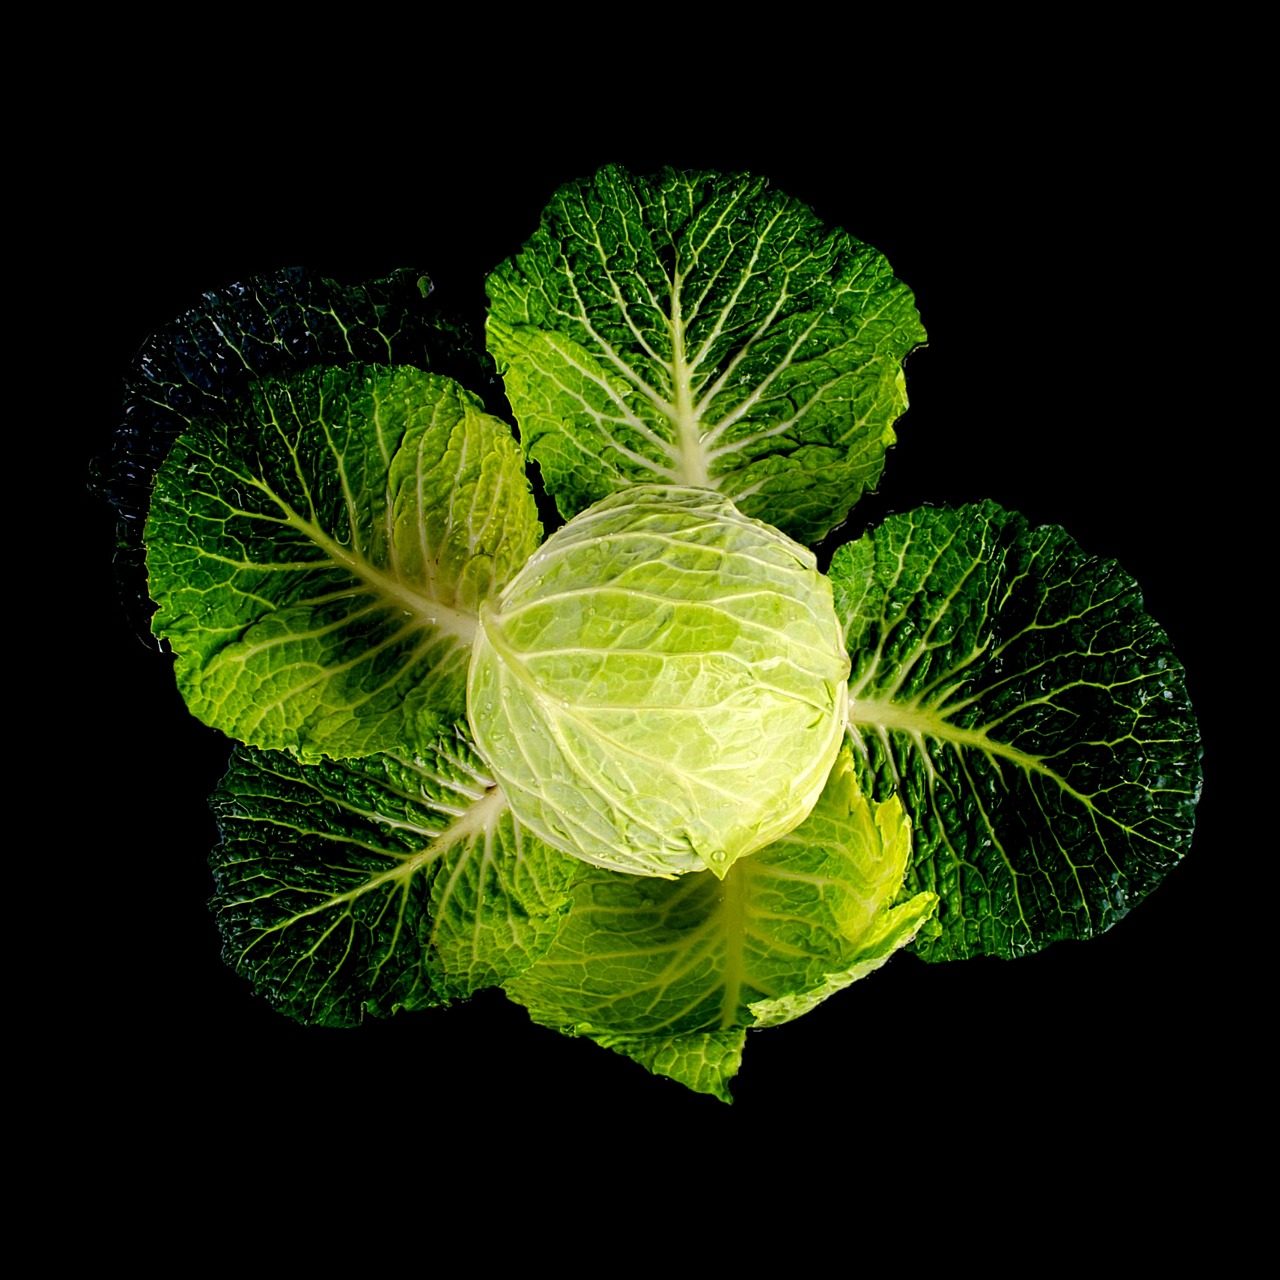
{"x":319,"y":565}
{"x":1031,"y":715}
{"x":661,"y":689}
{"x":201,"y":366}
{"x":702,"y":329}
{"x":670,"y":972}
{"x":704,"y":1061}
{"x":371,"y":885}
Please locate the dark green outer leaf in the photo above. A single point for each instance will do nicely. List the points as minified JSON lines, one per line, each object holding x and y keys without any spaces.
{"x":1033,"y":718}
{"x":702,"y":329}
{"x":379,"y":884}
{"x":201,"y":365}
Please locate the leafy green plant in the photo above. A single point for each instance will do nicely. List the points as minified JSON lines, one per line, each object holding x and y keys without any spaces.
{"x":656,"y":776}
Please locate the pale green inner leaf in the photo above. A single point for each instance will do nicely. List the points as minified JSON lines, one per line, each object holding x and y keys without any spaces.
{"x":642,"y":959}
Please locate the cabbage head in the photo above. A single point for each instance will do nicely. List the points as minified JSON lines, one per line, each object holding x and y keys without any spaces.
{"x":662,"y":688}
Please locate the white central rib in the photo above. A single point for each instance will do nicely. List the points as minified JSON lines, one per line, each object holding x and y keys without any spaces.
{"x":691,"y":460}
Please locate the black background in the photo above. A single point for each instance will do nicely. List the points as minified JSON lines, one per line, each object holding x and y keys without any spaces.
{"x":1059,"y":264}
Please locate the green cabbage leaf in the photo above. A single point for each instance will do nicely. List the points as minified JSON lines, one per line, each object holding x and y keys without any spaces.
{"x":318,"y":565}
{"x":673,"y":973}
{"x":1034,"y":720}
{"x":372,"y":885}
{"x":702,"y":329}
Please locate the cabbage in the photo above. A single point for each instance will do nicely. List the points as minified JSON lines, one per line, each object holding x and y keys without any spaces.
{"x":347,"y":560}
{"x":662,"y":689}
